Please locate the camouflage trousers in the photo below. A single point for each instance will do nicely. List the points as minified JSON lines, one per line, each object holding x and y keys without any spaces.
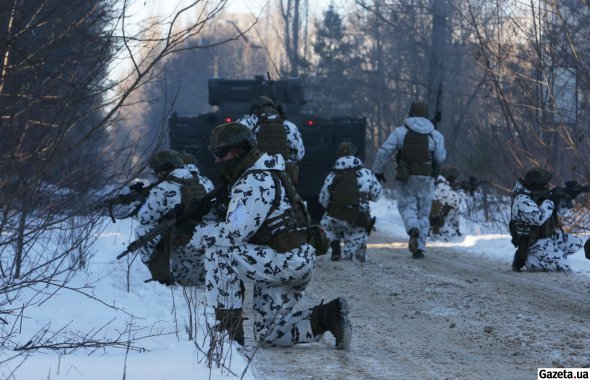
{"x":414,"y":204}
{"x":279,"y":280}
{"x":354,"y":238}
{"x":550,"y":254}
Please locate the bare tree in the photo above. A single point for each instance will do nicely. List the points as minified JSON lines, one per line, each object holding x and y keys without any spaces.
{"x":59,"y":111}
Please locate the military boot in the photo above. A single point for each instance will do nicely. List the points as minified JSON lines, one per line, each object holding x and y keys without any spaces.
{"x":413,"y":243}
{"x":587,"y":249}
{"x":232,"y":321}
{"x":336,"y":254}
{"x":333,"y":317}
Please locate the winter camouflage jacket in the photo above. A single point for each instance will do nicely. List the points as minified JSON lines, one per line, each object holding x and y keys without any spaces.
{"x":395,"y":142}
{"x":367,"y":183}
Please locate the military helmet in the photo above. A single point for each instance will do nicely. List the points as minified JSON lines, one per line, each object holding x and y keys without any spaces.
{"x":346,"y":149}
{"x":536,"y":176}
{"x":231,"y":134}
{"x":418,"y":108}
{"x":188,"y":158}
{"x":262,"y":104}
{"x":450,"y":172}
{"x":166,"y":160}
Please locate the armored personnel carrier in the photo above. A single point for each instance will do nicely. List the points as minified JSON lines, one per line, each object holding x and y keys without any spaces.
{"x":231,"y":98}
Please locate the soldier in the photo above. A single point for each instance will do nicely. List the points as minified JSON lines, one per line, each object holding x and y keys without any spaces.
{"x":274,"y":134}
{"x":345,"y":195}
{"x":542,"y":244}
{"x":449,"y":203}
{"x":264,"y":239}
{"x":420,"y":151}
{"x":171,"y":258}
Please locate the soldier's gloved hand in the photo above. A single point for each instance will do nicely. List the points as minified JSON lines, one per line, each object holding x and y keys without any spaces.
{"x":557,"y":195}
{"x":199,"y":209}
{"x":587,"y":249}
{"x":136,"y":186}
{"x":380,"y":177}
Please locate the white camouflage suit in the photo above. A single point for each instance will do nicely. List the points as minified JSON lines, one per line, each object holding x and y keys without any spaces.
{"x":457,"y":201}
{"x":186,"y":262}
{"x":415,"y":195}
{"x":279,"y":279}
{"x":353,"y":237}
{"x":294,"y":140}
{"x":547,"y":254}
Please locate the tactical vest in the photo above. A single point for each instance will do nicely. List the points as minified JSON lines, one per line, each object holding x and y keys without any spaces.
{"x":271,"y":137}
{"x":521,"y":230}
{"x":291,"y":228}
{"x":414,"y":156}
{"x":345,"y":198}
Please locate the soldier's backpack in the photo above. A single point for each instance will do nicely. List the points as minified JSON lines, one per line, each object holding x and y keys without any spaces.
{"x":414,"y":157}
{"x":271,"y":137}
{"x":345,"y":198}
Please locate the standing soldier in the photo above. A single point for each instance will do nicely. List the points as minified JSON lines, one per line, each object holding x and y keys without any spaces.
{"x":275,"y":135}
{"x":264,"y":239}
{"x":449,"y":203}
{"x":345,"y":195}
{"x":171,"y":258}
{"x":420,"y":151}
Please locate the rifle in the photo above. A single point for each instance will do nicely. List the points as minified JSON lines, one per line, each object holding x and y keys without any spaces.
{"x":437,"y":108}
{"x":197,"y":209}
{"x":280,"y":109}
{"x":565,"y":193}
{"x":139,"y":192}
{"x":470,"y":185}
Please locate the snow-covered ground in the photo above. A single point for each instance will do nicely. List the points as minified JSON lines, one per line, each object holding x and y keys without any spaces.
{"x":115,"y":304}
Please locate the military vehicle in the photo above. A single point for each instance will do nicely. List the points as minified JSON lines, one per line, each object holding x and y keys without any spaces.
{"x":232,"y":97}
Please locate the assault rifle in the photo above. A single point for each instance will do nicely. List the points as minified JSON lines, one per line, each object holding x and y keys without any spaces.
{"x":565,"y":193}
{"x":196,"y":210}
{"x":280,"y":109}
{"x":470,"y":185}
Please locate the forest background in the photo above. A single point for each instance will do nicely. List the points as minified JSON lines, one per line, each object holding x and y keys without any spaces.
{"x":87,"y":86}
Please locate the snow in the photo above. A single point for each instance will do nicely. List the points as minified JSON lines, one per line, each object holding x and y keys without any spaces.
{"x":159,"y":315}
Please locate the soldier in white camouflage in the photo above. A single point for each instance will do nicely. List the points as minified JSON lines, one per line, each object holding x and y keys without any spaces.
{"x":419,"y":150}
{"x":345,"y":194}
{"x":264,"y":240}
{"x":546,"y":246}
{"x":448,"y":205}
{"x":170,"y":258}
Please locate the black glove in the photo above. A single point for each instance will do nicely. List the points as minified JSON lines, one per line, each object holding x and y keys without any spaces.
{"x":136,"y":186}
{"x":380,"y":177}
{"x":199,"y":209}
{"x":587,"y":249}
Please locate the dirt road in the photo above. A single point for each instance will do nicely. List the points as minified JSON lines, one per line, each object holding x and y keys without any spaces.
{"x":450,"y":316}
